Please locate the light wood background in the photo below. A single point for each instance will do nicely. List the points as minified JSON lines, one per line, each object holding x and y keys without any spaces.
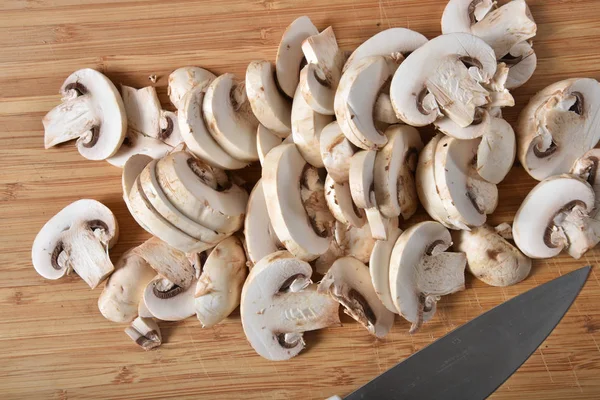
{"x":54,"y":343}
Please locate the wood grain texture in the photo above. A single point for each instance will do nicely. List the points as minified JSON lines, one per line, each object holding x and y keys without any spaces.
{"x":54,"y":344}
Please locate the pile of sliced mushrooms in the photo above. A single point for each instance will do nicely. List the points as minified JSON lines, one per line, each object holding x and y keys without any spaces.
{"x":342,"y":160}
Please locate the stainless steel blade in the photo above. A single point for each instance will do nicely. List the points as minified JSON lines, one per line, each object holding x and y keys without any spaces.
{"x":472,"y":361}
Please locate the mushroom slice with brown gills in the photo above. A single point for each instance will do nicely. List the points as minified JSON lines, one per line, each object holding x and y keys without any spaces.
{"x":444,"y":76}
{"x":229,"y":118}
{"x":393,"y":42}
{"x":496,"y":152}
{"x":168,"y":301}
{"x":184,"y":79}
{"x":490,"y":258}
{"x":145,"y":333}
{"x":336,"y":152}
{"x":220,"y":284}
{"x":290,"y":55}
{"x":123,"y":290}
{"x":521,"y":61}
{"x":340,"y":203}
{"x":136,"y":143}
{"x":307,"y":125}
{"x":356,"y":97}
{"x":558,"y":125}
{"x":349,"y":283}
{"x":481,"y":124}
{"x":460,"y":15}
{"x":278,"y":304}
{"x":77,"y":239}
{"x":554,"y":216}
{"x":282,"y":178}
{"x":394,"y":172}
{"x":91,"y":111}
{"x":167,"y":261}
{"x":202,"y":193}
{"x":379,"y":268}
{"x":586,"y":167}
{"x":271,"y":107}
{"x":421,"y":271}
{"x":265,"y":141}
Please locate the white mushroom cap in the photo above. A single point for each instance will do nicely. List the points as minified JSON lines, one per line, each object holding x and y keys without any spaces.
{"x":278,"y":304}
{"x":340,"y":203}
{"x":229,"y":118}
{"x":348,"y":282}
{"x":265,"y":141}
{"x":496,"y":152}
{"x":379,"y":268}
{"x":390,"y":42}
{"x":460,"y":15}
{"x":220,"y":284}
{"x":521,"y":61}
{"x":421,"y":271}
{"x":272,"y":108}
{"x":169,"y":302}
{"x":184,"y":79}
{"x":91,"y":111}
{"x":558,"y":125}
{"x":77,"y":238}
{"x":336,"y":152}
{"x":145,"y":333}
{"x":433,"y":76}
{"x":290,"y":55}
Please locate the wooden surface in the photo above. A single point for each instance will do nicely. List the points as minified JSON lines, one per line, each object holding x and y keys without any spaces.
{"x":53,"y":341}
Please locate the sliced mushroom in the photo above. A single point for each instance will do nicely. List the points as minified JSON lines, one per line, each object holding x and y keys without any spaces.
{"x":168,"y":301}
{"x":265,"y":141}
{"x":143,"y":311}
{"x":290,"y":55}
{"x":496,"y":152}
{"x":481,"y":124}
{"x":349,"y":283}
{"x":136,"y":143}
{"x":312,"y":193}
{"x":123,"y":290}
{"x":184,"y":79}
{"x":490,"y":258}
{"x":77,"y":239}
{"x":340,"y":203}
{"x":336,"y":152}
{"x":357,"y":242}
{"x":132,"y":168}
{"x":394,"y":42}
{"x":91,"y":111}
{"x":443,"y":76}
{"x":394,"y":172}
{"x":421,"y":271}
{"x":558,"y":125}
{"x":521,"y":61}
{"x":278,"y":304}
{"x":272,"y":108}
{"x":554,"y":216}
{"x":325,"y":261}
{"x":460,"y":15}
{"x":379,"y":268}
{"x":145,"y":333}
{"x":383,"y":112}
{"x":586,"y":167}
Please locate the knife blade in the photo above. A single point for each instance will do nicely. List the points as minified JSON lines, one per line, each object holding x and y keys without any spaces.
{"x":472,"y":361}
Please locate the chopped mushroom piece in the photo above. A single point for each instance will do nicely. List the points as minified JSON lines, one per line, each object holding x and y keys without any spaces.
{"x":265,"y":141}
{"x":357,"y":242}
{"x":481,"y":124}
{"x":340,"y":203}
{"x":184,"y":79}
{"x":145,"y":333}
{"x":497,"y":151}
{"x":586,"y":167}
{"x":136,"y":143}
{"x":336,"y":152}
{"x":521,"y":61}
{"x":168,"y":301}
{"x":379,"y":268}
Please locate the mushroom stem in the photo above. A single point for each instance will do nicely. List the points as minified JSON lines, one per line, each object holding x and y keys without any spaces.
{"x":69,"y":120}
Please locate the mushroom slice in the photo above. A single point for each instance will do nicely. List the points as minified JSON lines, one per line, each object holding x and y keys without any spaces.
{"x":481,"y":124}
{"x":143,"y":311}
{"x":77,"y":238}
{"x":145,"y":333}
{"x":554,"y":216}
{"x":307,"y":125}
{"x":460,"y":15}
{"x":349,"y":283}
{"x":168,"y":301}
{"x":356,"y":97}
{"x":394,"y":172}
{"x":184,"y":79}
{"x":394,"y":42}
{"x":272,"y":108}
{"x":421,"y":271}
{"x":490,"y":258}
{"x":123,"y":290}
{"x":132,"y":168}
{"x":340,"y":203}
{"x":281,"y":180}
{"x":196,"y":135}
{"x":521,"y":61}
{"x":383,"y":111}
{"x":229,"y":118}
{"x":586,"y":167}
{"x":336,"y":152}
{"x":136,"y":143}
{"x":289,"y":53}
{"x":91,"y":111}
{"x":202,"y":193}
{"x":496,"y":151}
{"x":558,"y":125}
{"x":356,"y":242}
{"x":220,"y":284}
{"x":278,"y":304}
{"x":379,"y":268}
{"x":265,"y":141}
{"x":444,"y":75}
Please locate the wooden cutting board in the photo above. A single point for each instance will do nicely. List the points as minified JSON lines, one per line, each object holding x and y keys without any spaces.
{"x":53,"y":341}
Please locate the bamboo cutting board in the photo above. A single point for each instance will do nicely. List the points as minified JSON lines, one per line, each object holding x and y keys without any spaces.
{"x":54,"y":344}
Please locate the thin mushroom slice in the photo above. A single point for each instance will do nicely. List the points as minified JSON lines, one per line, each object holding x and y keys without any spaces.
{"x":496,"y":152}
{"x":357,"y":242}
{"x":145,"y":333}
{"x":421,"y":271}
{"x":554,"y":216}
{"x":557,"y":126}
{"x":136,"y":143}
{"x":272,"y":108}
{"x":521,"y":61}
{"x":393,"y":42}
{"x":586,"y":167}
{"x":91,"y":111}
{"x":460,"y":15}
{"x":229,"y":118}
{"x":379,"y":268}
{"x":394,"y":172}
{"x":490,"y":258}
{"x":336,"y":152}
{"x":265,"y":141}
{"x":481,"y":124}
{"x":184,"y":79}
{"x":143,"y":311}
{"x":340,"y":203}
{"x":444,"y":76}
{"x":383,"y":111}
{"x":290,"y":55}
{"x":349,"y":283}
{"x":219,"y":287}
{"x":278,"y":304}
{"x":77,"y":239}
{"x":168,"y":301}
{"x":132,"y":168}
